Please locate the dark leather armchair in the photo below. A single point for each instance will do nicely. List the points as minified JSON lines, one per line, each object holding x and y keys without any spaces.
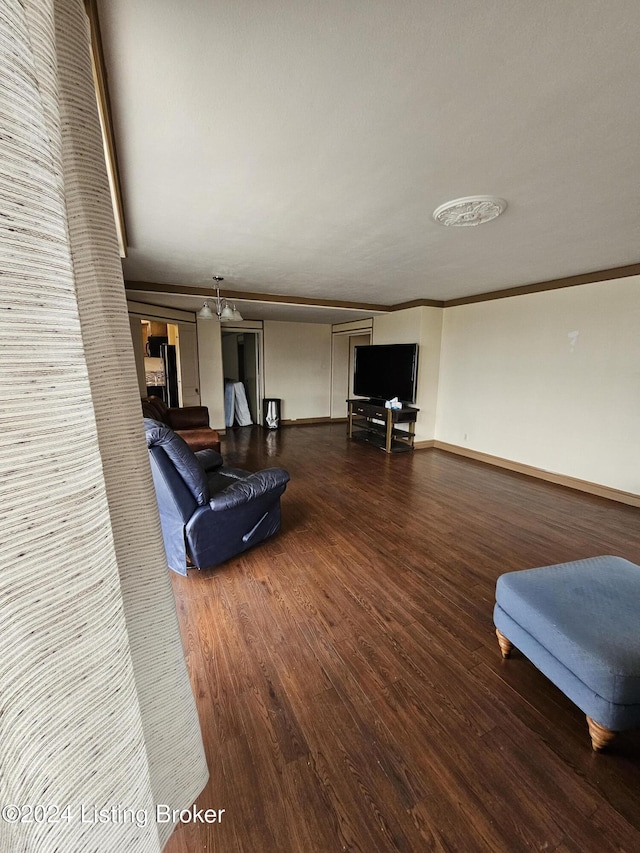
{"x":209,"y":512}
{"x":190,"y":422}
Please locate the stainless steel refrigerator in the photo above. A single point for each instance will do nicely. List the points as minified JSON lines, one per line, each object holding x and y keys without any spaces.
{"x":165,"y":381}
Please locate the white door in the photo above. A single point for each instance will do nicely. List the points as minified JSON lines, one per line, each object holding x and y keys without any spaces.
{"x":188,"y":355}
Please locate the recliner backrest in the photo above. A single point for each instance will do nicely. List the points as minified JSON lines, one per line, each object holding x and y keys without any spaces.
{"x":161,"y":438}
{"x":155,"y":408}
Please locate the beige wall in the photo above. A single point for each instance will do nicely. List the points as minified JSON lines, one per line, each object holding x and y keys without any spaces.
{"x":138,"y":352}
{"x":424,"y":327}
{"x":210,"y":368}
{"x":548,"y":379}
{"x":297,"y":368}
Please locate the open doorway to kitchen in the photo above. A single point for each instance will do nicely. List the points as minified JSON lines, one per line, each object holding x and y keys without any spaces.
{"x":241,"y":365}
{"x":171,"y":362}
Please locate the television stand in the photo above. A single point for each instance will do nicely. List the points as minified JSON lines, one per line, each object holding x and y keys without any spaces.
{"x":370,"y":421}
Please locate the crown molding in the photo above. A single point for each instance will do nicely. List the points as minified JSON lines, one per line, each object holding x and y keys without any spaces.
{"x":152,"y":312}
{"x":538,"y":287}
{"x":418,"y":303}
{"x":552,"y":284}
{"x":182,"y":290}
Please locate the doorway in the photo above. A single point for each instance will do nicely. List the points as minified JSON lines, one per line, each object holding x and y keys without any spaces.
{"x":342,"y":357}
{"x":170,"y":362}
{"x":241,"y":367}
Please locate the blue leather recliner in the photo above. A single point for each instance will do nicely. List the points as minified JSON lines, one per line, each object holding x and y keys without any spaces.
{"x":209,"y":512}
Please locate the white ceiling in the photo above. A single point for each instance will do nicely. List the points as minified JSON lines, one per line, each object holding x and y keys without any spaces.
{"x":299,"y":147}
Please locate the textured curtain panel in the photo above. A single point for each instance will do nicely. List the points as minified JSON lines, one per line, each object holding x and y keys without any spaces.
{"x":97,"y":720}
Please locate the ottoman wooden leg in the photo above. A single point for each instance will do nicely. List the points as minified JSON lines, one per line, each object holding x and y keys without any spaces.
{"x":600,"y":736}
{"x":505,"y":645}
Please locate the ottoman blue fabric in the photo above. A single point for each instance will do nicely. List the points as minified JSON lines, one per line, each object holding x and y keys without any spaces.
{"x":579,"y":623}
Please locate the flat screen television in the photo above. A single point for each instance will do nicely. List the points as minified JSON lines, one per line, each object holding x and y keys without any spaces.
{"x":385,"y":371}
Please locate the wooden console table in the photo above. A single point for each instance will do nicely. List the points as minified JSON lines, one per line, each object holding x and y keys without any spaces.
{"x":371,"y":421}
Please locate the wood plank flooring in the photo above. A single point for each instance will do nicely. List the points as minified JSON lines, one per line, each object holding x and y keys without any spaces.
{"x":349,"y":684}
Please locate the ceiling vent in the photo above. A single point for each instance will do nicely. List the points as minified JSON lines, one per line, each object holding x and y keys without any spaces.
{"x":472,"y":210}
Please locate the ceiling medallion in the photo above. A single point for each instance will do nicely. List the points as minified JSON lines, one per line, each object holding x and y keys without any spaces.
{"x":471,"y":210}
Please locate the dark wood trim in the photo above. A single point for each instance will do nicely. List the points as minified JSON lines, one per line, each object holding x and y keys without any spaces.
{"x":197,"y":290}
{"x":553,"y":284}
{"x":310,"y":421}
{"x":135,"y":306}
{"x":106,"y":123}
{"x":419,"y":303}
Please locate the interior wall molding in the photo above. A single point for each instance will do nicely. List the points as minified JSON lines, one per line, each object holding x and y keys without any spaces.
{"x":352,"y":326}
{"x":539,"y":473}
{"x":181,"y":290}
{"x":159,"y":312}
{"x":424,"y":445}
{"x":553,"y":284}
{"x":418,"y":303}
{"x":243,"y":326}
{"x":310,"y":421}
{"x":106,"y":124}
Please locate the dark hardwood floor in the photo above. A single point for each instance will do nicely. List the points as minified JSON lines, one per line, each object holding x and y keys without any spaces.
{"x":349,"y":683}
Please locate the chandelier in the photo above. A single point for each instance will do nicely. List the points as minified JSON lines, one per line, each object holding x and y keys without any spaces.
{"x":221,"y":308}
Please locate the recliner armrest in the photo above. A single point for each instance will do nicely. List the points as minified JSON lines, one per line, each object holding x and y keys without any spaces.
{"x":253,"y":486}
{"x":189,"y":417}
{"x":210,"y":459}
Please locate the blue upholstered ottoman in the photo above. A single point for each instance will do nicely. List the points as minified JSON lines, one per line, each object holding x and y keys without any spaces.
{"x":579,"y":623}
